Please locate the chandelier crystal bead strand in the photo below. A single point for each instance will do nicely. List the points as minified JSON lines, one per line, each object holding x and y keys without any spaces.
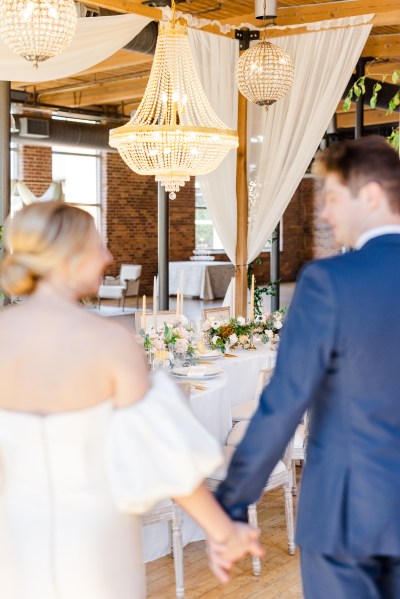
{"x":174,"y":134}
{"x":38,"y":29}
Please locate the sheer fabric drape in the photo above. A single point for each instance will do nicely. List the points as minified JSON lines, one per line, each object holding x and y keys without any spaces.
{"x":95,"y":40}
{"x":215,"y":58}
{"x":283,"y":140}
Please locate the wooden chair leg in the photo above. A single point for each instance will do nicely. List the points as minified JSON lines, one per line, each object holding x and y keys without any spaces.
{"x":289,"y":516}
{"x":253,"y":520}
{"x":177,"y":551}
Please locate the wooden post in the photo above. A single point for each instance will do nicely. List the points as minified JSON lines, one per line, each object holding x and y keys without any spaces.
{"x":242,"y":212}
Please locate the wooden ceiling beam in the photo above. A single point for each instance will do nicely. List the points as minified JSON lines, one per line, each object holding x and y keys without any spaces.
{"x":127,"y":6}
{"x":386,"y":46}
{"x":347,"y":120}
{"x":377,"y":70}
{"x":96,"y":94}
{"x":387,"y":12}
{"x":121,"y":60}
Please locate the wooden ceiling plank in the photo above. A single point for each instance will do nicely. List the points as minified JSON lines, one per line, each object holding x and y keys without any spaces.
{"x":385,"y":11}
{"x":346,"y":120}
{"x":386,"y":46}
{"x":122,"y":59}
{"x":126,"y":6}
{"x":100,"y":94}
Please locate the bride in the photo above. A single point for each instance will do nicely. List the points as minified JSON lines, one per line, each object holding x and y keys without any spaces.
{"x":87,"y":441}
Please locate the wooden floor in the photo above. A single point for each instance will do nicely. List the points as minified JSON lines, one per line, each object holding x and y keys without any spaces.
{"x":280,"y":576}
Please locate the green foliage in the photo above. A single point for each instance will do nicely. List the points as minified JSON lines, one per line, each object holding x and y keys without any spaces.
{"x":358,"y":89}
{"x":270,"y":288}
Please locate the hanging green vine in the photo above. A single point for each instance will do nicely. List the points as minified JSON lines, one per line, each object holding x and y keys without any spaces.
{"x":358,"y":89}
{"x":269,"y":289}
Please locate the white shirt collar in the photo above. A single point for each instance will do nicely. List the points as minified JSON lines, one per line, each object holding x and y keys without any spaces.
{"x":376,"y":232}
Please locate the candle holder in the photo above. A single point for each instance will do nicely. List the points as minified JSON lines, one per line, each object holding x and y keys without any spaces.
{"x":251,"y":346}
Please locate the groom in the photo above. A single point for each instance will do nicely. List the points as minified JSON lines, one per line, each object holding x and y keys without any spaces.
{"x":339,"y":357}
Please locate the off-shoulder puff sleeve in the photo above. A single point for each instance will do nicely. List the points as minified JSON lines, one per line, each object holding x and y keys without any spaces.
{"x":157,"y":449}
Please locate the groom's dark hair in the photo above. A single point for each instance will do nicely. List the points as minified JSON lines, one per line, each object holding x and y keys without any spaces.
{"x":361,"y":161}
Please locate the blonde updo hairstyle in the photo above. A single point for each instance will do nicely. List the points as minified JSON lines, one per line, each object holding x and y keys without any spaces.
{"x":37,"y":240}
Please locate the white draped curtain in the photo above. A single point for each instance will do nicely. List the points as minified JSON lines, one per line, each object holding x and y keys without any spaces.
{"x":283,"y":140}
{"x":215,"y":58}
{"x":96,"y":39}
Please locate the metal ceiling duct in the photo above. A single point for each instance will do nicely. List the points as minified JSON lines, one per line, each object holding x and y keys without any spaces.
{"x":68,"y":133}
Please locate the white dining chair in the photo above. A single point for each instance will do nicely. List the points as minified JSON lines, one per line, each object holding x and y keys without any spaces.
{"x":299,"y":448}
{"x":168,"y":511}
{"x":123,"y":286}
{"x":246,"y":410}
{"x":281,"y":476}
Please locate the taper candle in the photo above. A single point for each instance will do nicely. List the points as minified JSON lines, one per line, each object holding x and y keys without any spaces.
{"x":178,"y":293}
{"x":155,"y":302}
{"x":144,"y":313}
{"x":252,"y":298}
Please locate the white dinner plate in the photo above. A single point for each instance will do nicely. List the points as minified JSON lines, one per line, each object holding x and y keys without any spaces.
{"x":212,"y":354}
{"x":197,"y":372}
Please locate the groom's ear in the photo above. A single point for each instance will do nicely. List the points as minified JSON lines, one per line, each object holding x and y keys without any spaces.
{"x":373,"y":196}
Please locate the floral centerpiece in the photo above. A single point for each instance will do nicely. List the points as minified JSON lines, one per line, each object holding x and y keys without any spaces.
{"x":268,"y":325}
{"x":169,"y":343}
{"x":236,"y":332}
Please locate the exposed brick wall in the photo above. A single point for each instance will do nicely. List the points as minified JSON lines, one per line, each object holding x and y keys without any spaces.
{"x":129,"y":218}
{"x":130,"y":213}
{"x":35,"y":167}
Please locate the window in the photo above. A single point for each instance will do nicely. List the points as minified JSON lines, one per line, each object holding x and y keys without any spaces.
{"x":80,"y":171}
{"x":205,"y":234}
{"x":14,"y":161}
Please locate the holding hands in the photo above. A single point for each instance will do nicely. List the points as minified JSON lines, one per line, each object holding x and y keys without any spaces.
{"x":241,"y":541}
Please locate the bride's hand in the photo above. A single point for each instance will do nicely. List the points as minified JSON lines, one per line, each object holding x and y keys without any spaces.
{"x":242,"y":541}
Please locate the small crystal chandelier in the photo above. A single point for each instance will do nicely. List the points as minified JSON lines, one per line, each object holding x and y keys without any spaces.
{"x":175,"y":133}
{"x":38,"y":29}
{"x":264,"y":72}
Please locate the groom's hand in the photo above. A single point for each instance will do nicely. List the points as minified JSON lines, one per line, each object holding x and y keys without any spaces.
{"x":242,"y":541}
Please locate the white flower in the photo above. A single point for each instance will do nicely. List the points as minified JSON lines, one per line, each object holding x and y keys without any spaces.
{"x":181,"y":345}
{"x":241,"y":320}
{"x":183,"y":333}
{"x":258,"y":318}
{"x":233,"y":339}
{"x":269,"y":333}
{"x":215,"y":339}
{"x":277,"y":315}
{"x":206,"y":325}
{"x":277,"y":324}
{"x":159,"y":344}
{"x":266,"y":316}
{"x":215,"y":324}
{"x":184,"y":320}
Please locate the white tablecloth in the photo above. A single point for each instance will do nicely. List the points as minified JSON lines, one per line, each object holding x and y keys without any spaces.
{"x":242,"y":371}
{"x":212,"y":407}
{"x":206,"y":280}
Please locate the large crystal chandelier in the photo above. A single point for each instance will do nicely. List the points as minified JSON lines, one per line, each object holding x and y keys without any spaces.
{"x":175,"y":133}
{"x":38,"y":29}
{"x":264,"y":72}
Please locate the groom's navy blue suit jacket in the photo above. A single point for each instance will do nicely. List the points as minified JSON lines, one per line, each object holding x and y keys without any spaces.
{"x":339,"y":356}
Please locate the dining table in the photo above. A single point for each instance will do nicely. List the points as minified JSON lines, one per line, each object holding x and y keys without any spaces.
{"x":207,"y":280}
{"x":211,"y":401}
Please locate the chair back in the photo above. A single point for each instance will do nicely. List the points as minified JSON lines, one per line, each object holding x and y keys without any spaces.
{"x":130,"y":272}
{"x":168,"y":316}
{"x":287,"y":457}
{"x":264,"y":377}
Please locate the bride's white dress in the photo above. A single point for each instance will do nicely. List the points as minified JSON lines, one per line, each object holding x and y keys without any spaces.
{"x":72,"y":484}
